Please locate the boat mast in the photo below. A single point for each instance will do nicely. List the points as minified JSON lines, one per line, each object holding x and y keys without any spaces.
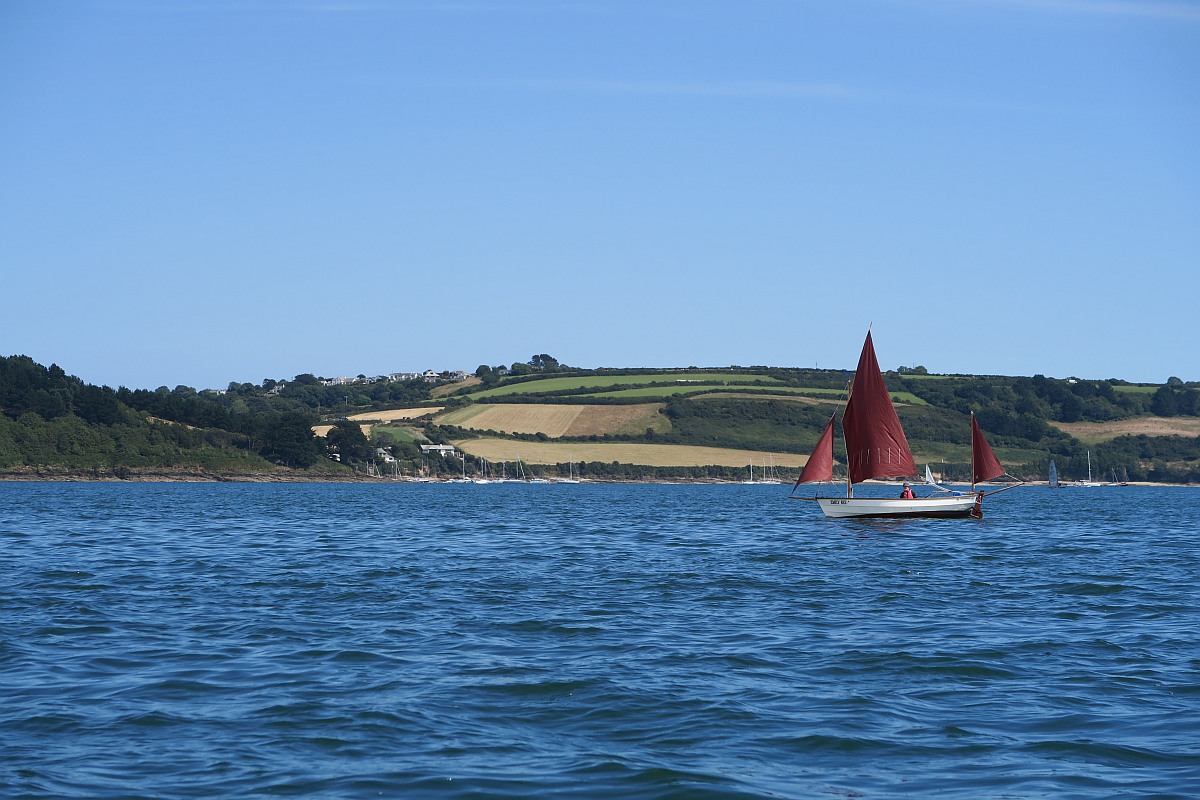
{"x":972,"y":452}
{"x":845,"y":444}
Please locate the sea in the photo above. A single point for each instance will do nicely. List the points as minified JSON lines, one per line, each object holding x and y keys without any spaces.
{"x":405,"y":640}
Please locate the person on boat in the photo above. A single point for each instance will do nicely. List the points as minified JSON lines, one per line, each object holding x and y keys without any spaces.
{"x":907,"y":494}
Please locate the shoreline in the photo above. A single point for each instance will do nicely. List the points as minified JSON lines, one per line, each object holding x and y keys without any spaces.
{"x":47,"y":475}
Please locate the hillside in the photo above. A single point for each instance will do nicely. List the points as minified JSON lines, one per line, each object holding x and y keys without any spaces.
{"x":779,"y":413}
{"x":619,"y":423}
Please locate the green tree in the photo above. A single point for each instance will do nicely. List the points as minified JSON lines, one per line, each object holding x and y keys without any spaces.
{"x":288,"y":439}
{"x":544,"y":362}
{"x":348,"y":439}
{"x":1165,"y":402}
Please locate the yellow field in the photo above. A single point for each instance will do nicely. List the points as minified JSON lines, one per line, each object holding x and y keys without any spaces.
{"x":1095,"y":432}
{"x":653,"y":455}
{"x":395,"y":414}
{"x":450,"y":388}
{"x":559,"y":420}
{"x":323,"y":430}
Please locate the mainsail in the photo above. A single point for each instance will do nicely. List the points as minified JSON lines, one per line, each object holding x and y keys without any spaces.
{"x":875,"y":443}
{"x":819,"y":466}
{"x":984,"y":464}
{"x":1053,"y":475}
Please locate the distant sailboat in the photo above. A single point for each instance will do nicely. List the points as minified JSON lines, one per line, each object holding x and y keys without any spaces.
{"x":876,"y":447}
{"x":571,"y":476}
{"x":937,"y":487}
{"x":528,"y":477}
{"x":772,"y":474}
{"x":1054,"y":476}
{"x":483,"y":472}
{"x":761,"y":481}
{"x":1089,"y":482}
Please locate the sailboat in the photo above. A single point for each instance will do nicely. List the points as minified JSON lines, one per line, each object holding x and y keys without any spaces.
{"x":463,"y":479}
{"x":1089,"y":483}
{"x":934,"y":485}
{"x":524,"y":475}
{"x":752,"y":480}
{"x":1054,"y":484}
{"x":876,"y":447}
{"x":572,"y":477}
{"x":483,"y":472}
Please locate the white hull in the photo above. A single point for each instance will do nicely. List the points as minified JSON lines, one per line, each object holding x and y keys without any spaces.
{"x":958,"y":506}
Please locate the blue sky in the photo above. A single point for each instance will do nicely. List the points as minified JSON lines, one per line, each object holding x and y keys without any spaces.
{"x":204,"y":192}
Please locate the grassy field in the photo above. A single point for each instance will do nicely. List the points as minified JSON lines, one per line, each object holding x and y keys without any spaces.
{"x":1137,"y":389}
{"x":394,"y":414}
{"x":832,"y":394}
{"x":399,"y":433}
{"x":559,"y":420}
{"x":1097,"y":432}
{"x":654,"y":455}
{"x":601,"y":381}
{"x":787,"y":398}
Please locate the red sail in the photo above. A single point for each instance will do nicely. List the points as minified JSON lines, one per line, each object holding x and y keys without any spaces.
{"x":819,"y":466}
{"x":875,"y":443}
{"x":984,"y":464}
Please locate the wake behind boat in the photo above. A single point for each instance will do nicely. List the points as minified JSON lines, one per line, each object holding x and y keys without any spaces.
{"x":876,"y":447}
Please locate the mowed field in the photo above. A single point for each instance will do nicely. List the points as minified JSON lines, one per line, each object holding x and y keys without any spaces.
{"x":1095,"y":432}
{"x":395,"y":414}
{"x":323,"y":430}
{"x":652,"y":455}
{"x":601,"y":381}
{"x":558,"y":420}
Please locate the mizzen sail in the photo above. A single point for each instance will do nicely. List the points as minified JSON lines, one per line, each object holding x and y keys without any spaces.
{"x":875,"y":443}
{"x":984,"y":464}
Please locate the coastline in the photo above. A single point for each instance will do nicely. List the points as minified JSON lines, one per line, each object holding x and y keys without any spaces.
{"x":158,"y":475}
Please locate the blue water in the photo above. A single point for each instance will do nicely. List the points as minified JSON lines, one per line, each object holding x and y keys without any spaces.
{"x":459,"y":641}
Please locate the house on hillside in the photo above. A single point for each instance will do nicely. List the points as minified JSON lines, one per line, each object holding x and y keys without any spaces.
{"x":439,"y":449}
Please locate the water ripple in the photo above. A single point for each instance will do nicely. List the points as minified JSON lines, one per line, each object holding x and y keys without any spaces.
{"x":187,"y":641}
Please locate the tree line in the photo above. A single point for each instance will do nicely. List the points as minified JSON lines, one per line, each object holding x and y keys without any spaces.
{"x":50,"y":417}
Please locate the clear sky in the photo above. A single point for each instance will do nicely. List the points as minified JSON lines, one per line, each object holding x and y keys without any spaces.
{"x":211,"y":191}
